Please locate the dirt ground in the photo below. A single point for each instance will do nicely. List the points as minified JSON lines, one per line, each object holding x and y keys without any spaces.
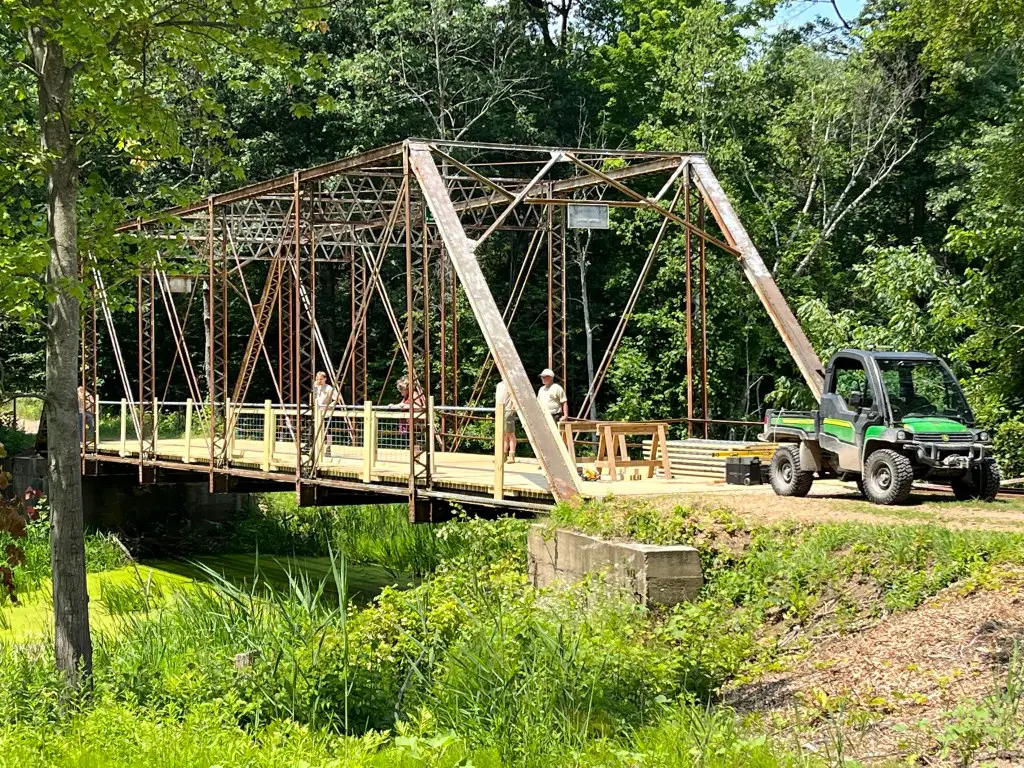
{"x":890,"y":689}
{"x":835,"y":501}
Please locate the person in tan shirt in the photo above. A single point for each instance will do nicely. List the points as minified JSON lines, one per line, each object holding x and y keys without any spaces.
{"x":503,"y":396}
{"x":552,"y":397}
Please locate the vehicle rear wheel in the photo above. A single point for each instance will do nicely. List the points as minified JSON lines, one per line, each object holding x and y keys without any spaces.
{"x":980,"y":482}
{"x":888,"y":477}
{"x":785,"y":474}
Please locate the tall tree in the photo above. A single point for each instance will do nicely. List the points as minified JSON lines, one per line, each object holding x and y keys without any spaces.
{"x":115,"y":84}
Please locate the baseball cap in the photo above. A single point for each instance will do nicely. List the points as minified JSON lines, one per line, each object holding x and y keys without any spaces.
{"x":547,"y":372}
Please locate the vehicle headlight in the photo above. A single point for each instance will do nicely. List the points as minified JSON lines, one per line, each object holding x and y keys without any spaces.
{"x":901,"y":435}
{"x":984,"y":436}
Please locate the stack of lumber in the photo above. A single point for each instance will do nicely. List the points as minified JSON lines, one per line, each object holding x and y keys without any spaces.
{"x":705,"y":459}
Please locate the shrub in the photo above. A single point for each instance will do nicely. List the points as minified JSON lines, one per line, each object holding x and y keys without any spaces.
{"x":102,"y":552}
{"x":15,"y":441}
{"x":1009,"y":447}
{"x":373,"y":535}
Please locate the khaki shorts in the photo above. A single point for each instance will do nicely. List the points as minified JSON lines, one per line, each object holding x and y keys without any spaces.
{"x":510,"y":422}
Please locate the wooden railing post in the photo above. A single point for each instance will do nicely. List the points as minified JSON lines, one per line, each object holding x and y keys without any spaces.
{"x":499,"y":450}
{"x":124,"y":428}
{"x":229,"y":428}
{"x":369,"y":441}
{"x":430,"y":433}
{"x":188,"y":432}
{"x":269,"y":435}
{"x":156,"y":426}
{"x":319,"y":436}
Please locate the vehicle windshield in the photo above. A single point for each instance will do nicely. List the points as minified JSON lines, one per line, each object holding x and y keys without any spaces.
{"x":923,"y":388}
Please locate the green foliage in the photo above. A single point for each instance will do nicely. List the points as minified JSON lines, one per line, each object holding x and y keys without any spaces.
{"x":373,"y":534}
{"x":15,"y":441}
{"x":1008,"y":444}
{"x":759,"y":583}
{"x":976,"y":729}
{"x":471,"y":662}
{"x":102,"y":552}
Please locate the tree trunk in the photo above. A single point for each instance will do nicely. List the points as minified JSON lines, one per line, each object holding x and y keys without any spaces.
{"x":72,"y":644}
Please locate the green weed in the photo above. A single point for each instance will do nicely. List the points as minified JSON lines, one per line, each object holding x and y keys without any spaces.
{"x":990,"y":725}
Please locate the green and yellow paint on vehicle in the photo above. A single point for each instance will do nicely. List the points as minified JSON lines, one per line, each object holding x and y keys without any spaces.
{"x":793,"y":421}
{"x":840,"y":429}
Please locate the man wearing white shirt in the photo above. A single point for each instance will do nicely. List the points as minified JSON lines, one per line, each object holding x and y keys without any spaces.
{"x":552,"y":397}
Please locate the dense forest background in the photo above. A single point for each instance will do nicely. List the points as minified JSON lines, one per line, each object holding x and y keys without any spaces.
{"x":877,"y":161}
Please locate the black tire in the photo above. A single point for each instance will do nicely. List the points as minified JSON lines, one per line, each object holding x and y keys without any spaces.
{"x":888,"y":477}
{"x":981,"y":482}
{"x":786,"y":476}
{"x":860,"y":486}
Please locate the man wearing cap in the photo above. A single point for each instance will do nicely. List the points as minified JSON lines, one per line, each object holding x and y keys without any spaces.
{"x":552,"y":396}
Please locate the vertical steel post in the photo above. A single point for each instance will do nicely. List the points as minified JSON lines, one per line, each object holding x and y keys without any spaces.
{"x":551,"y":286}
{"x":352,"y":391}
{"x":443,"y":342}
{"x":212,"y":383}
{"x":426,"y":311}
{"x":689,"y":305}
{"x":412,"y":381}
{"x":703,"y":317}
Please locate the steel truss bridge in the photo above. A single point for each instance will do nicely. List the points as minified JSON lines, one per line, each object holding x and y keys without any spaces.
{"x":231,"y":291}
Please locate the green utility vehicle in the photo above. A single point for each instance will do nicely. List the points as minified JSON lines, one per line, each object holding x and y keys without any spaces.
{"x":885,"y":420}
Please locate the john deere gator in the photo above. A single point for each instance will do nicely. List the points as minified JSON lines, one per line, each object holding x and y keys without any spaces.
{"x":885,"y":420}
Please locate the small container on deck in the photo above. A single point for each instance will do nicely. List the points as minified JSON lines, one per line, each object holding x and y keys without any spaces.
{"x":743,"y":470}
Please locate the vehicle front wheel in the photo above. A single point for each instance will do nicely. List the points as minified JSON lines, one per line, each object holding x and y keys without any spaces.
{"x":888,"y":477}
{"x":785,"y":474}
{"x":980,"y":482}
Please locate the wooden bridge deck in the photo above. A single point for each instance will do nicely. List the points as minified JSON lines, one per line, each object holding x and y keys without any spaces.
{"x":457,"y":472}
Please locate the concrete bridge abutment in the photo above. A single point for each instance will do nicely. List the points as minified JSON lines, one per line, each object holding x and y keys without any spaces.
{"x":655,"y":574}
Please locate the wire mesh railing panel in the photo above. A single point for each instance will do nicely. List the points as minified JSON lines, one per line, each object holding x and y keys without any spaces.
{"x":473,"y":430}
{"x":343,"y":431}
{"x":392,"y":427}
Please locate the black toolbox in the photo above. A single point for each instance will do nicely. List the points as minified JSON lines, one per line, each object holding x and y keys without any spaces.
{"x":743,"y":470}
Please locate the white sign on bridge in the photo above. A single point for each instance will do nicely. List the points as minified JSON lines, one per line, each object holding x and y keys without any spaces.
{"x":588,"y":216}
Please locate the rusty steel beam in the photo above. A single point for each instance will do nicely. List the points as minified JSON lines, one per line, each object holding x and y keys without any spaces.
{"x":760,"y":278}
{"x":258,"y":189}
{"x":563,"y":481}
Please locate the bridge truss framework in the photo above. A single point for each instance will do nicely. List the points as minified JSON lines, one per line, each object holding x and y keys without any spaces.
{"x":415,"y":213}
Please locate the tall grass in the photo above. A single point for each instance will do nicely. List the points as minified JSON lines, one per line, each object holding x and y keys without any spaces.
{"x":373,"y":534}
{"x":472,"y":665}
{"x":102,"y":553}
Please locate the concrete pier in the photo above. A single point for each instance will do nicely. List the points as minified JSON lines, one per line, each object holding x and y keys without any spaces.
{"x":655,"y":574}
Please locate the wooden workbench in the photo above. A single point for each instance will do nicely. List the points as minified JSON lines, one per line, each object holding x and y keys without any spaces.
{"x":612,"y":441}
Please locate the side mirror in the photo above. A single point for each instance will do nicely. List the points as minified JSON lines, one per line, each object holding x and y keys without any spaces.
{"x":856,"y":399}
